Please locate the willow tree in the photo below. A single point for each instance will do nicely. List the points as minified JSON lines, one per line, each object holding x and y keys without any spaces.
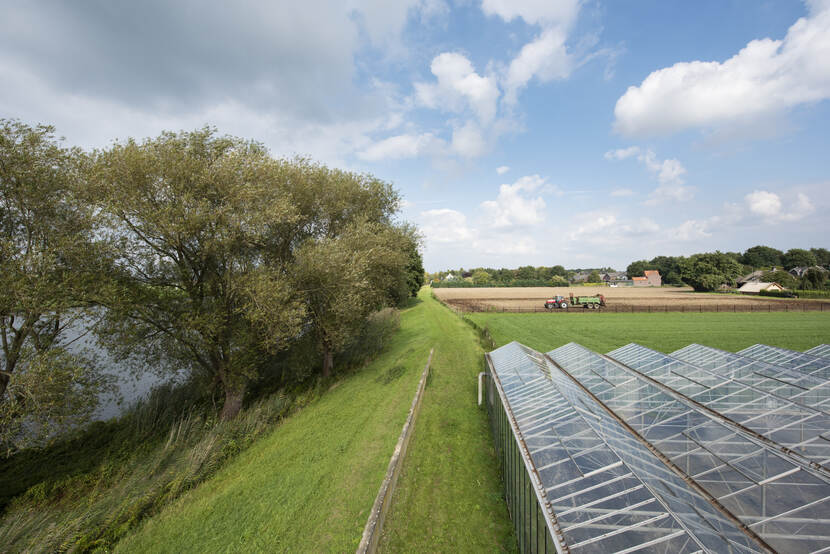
{"x":47,"y":268}
{"x":207,"y":233}
{"x":190,"y":219}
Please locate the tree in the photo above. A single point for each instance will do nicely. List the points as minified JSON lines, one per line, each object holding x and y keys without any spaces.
{"x":343,"y":279}
{"x":196,"y":226}
{"x":45,"y":274}
{"x":558,"y":281}
{"x":798,"y":257}
{"x":813,"y":279}
{"x":636,"y":269}
{"x":481,"y":277}
{"x":224,"y":256}
{"x":707,"y":272}
{"x":822,"y":256}
{"x":762,"y":256}
{"x":526,"y":272}
{"x":415,"y":276}
{"x":594,"y":277}
{"x":781,"y":277}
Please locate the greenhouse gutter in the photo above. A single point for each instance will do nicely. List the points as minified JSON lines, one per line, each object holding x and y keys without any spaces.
{"x":541,"y":495}
{"x":666,"y":461}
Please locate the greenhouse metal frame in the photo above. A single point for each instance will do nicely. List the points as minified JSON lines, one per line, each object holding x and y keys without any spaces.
{"x":698,"y":451}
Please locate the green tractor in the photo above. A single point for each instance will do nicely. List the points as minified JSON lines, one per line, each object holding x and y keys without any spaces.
{"x":586,"y":302}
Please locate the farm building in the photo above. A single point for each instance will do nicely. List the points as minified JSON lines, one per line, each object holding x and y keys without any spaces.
{"x":650,"y":278}
{"x":701,"y":450}
{"x":755,"y":287}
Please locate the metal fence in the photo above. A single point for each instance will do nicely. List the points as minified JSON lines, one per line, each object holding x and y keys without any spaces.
{"x":532,"y":517}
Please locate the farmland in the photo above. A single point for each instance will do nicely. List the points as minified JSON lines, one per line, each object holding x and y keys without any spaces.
{"x":664,"y":332}
{"x":624,"y":299}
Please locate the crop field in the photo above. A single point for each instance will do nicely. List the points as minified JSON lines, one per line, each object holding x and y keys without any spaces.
{"x":620,"y":299}
{"x":604,"y":332}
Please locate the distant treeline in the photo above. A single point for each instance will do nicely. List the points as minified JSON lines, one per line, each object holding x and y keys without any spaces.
{"x":705,"y":271}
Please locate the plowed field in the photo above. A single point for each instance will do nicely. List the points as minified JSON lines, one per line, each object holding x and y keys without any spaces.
{"x":620,"y":299}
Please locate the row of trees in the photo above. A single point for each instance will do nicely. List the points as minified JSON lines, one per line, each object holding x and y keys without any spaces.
{"x":196,"y":251}
{"x":555,"y":275}
{"x":708,"y":271}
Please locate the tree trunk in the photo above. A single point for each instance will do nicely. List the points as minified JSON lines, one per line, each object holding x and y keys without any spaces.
{"x":328,"y":361}
{"x":233,"y":402}
{"x":4,"y":382}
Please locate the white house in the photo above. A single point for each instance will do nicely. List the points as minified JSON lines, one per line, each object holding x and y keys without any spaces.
{"x":756,"y":287}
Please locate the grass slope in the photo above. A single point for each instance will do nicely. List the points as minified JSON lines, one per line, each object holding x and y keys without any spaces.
{"x":665,"y":332}
{"x":449,"y":496}
{"x":308,"y":486}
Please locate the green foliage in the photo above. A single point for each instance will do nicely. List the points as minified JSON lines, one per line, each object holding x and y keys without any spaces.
{"x":225,"y":256}
{"x":481,"y":277}
{"x":97,"y":485}
{"x":707,"y":272}
{"x":558,"y":281}
{"x":47,"y":270}
{"x":636,"y":269}
{"x":814,"y":279}
{"x":594,"y":277}
{"x":762,"y":256}
{"x":783,"y":278}
{"x":822,"y":256}
{"x":798,"y":257}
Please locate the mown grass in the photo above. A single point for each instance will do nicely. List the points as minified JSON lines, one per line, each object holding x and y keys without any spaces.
{"x":309,"y":485}
{"x":449,"y":496}
{"x":665,"y":332}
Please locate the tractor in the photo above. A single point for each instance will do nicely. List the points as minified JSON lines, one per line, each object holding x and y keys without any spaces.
{"x":586,"y":302}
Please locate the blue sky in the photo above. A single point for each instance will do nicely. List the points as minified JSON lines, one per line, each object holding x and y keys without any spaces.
{"x":581,"y":133}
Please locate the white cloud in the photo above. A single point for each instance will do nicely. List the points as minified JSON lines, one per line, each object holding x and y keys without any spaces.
{"x":670,"y":174}
{"x":622,"y":153}
{"x":689,"y":230}
{"x":502,"y":169}
{"x":514,"y":207}
{"x":604,"y":228}
{"x":459,"y":86}
{"x":445,"y":226}
{"x":765,"y":78}
{"x":401,"y":146}
{"x":622,"y":192}
{"x":534,"y":12}
{"x":468,"y":141}
{"x":545,"y":58}
{"x":769,"y":206}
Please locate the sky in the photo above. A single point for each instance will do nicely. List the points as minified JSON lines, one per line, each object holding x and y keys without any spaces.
{"x":586,"y":133}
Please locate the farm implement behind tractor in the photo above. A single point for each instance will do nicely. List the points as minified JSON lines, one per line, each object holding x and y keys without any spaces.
{"x":586,"y":302}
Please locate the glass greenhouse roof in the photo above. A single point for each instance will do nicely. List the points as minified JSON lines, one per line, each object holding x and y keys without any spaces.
{"x":822,"y":350}
{"x":639,"y":451}
{"x":805,"y":363}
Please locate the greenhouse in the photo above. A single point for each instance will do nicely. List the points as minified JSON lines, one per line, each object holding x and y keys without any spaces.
{"x":701,"y":450}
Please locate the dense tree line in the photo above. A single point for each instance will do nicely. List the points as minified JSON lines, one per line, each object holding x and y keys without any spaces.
{"x":198,"y":251}
{"x":709,"y":271}
{"x":527,"y":275}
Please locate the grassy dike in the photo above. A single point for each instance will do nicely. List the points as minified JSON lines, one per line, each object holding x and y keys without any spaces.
{"x":665,"y":332}
{"x":308,"y":486}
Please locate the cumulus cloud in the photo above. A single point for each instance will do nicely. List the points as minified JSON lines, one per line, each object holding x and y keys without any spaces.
{"x":515,"y":206}
{"x":445,"y":226}
{"x":770,"y":207}
{"x":502,"y":169}
{"x":765,"y":78}
{"x":458,"y":86}
{"x":546,"y":57}
{"x":605,"y":228}
{"x":670,"y":173}
{"x":401,"y":146}
{"x":689,"y":230}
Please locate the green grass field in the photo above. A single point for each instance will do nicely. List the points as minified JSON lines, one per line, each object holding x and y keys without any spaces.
{"x":308,"y":486}
{"x":665,"y":332}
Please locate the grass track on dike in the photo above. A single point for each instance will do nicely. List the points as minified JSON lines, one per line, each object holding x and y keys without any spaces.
{"x":309,"y":485}
{"x":665,"y":332}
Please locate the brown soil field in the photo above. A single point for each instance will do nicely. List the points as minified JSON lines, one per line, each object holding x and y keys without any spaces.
{"x":619,"y":299}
